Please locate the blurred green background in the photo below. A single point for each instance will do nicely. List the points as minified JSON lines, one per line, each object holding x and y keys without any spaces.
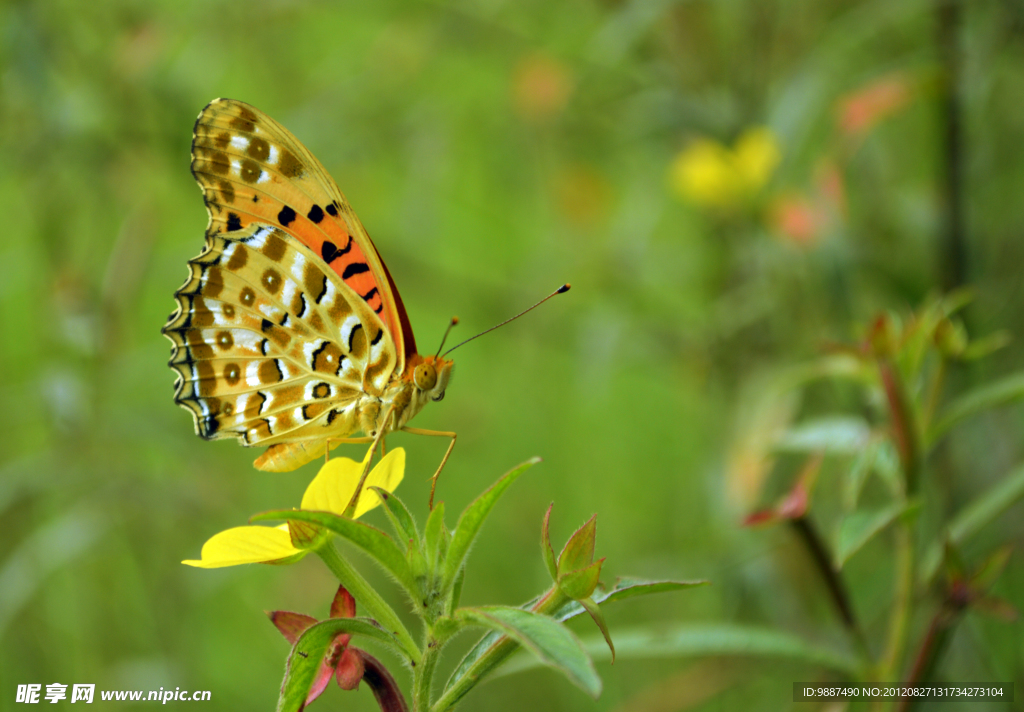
{"x":730,"y":186}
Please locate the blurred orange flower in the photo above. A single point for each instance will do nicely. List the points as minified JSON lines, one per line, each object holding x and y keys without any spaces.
{"x":541,"y":87}
{"x":861,"y":110}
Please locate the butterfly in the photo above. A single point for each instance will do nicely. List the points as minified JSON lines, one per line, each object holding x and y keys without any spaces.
{"x":289,"y":331}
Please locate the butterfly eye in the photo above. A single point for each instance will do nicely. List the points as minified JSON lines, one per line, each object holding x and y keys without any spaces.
{"x":425,"y":376}
{"x":439,"y":397}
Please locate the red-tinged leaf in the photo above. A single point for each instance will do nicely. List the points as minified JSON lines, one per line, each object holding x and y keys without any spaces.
{"x":291,"y":625}
{"x":343,"y":605}
{"x":578,"y":585}
{"x":591,"y":607}
{"x":579,"y":550}
{"x":545,"y":544}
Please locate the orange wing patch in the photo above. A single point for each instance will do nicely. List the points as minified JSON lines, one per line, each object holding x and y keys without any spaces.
{"x":251,"y":169}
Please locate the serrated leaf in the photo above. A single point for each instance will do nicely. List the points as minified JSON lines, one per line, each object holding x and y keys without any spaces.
{"x":308,"y":653}
{"x":472,"y":519}
{"x":837,"y":435}
{"x":704,"y":641}
{"x":373,"y":541}
{"x":399,"y":516}
{"x":860,"y":527}
{"x":548,"y":640}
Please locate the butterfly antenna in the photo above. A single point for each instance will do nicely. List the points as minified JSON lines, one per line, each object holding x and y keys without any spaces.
{"x":454,"y":321}
{"x":561,"y":290}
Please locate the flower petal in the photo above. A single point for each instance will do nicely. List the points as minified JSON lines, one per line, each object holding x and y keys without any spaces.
{"x":333,"y":487}
{"x":245,"y":545}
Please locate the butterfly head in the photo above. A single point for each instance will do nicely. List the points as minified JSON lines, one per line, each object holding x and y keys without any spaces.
{"x":431,"y":376}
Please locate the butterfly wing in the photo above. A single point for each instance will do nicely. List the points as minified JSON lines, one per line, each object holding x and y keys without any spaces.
{"x":270,"y":345}
{"x":253,"y":170}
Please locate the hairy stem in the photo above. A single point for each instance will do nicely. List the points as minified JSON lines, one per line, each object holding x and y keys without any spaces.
{"x":369,"y":599}
{"x":495,"y":655}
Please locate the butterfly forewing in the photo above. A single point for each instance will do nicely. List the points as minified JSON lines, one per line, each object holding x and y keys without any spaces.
{"x":270,"y":346}
{"x":253,"y":170}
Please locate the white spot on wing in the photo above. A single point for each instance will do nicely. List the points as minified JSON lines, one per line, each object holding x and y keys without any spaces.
{"x":264,"y":177}
{"x":288,"y":293}
{"x":298,"y":267}
{"x":240,"y":403}
{"x":309,"y":348}
{"x":252,"y":374}
{"x":272,"y":159}
{"x":350,"y":323}
{"x":240,"y":142}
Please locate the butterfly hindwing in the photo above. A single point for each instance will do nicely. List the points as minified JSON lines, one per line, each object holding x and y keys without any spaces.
{"x":271,"y":346}
{"x":253,"y":170}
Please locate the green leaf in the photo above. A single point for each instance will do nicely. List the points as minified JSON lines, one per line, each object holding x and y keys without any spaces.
{"x":1006,"y":390}
{"x":860,"y":527}
{"x":545,"y":545}
{"x":625,"y":588}
{"x":838,"y":435}
{"x":857,"y":475}
{"x":373,"y":541}
{"x":433,"y":536}
{"x":579,"y":550}
{"x":472,"y":519}
{"x":579,"y":584}
{"x":398,"y":514}
{"x":308,"y":653}
{"x":707,"y":640}
{"x":969,"y":520}
{"x":591,"y":607}
{"x":548,"y":640}
{"x":453,"y":600}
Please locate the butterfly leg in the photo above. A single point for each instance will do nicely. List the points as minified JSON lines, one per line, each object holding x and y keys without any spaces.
{"x":331,"y":442}
{"x":451,"y":445}
{"x":369,"y":461}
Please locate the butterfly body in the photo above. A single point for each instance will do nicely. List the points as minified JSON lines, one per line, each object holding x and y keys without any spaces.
{"x":289,"y":332}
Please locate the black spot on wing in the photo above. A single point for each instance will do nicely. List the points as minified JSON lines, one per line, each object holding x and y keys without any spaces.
{"x":266,"y":325}
{"x":234,"y":222}
{"x":377,"y":338}
{"x":333,"y":211}
{"x":286,"y":216}
{"x":352,"y":334}
{"x":330,"y":252}
{"x":315,"y":214}
{"x":355,"y":268}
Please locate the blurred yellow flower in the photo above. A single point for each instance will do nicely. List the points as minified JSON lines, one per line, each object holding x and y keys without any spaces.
{"x":710,"y":174}
{"x":330,"y":491}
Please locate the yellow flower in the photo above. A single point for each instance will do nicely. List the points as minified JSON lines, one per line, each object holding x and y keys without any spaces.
{"x":330,"y":491}
{"x":712,"y":175}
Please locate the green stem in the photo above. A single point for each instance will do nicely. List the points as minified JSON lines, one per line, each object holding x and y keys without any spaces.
{"x":369,"y":599}
{"x":423,"y":676}
{"x":833,"y":582}
{"x":904,"y":590}
{"x":495,"y":655}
